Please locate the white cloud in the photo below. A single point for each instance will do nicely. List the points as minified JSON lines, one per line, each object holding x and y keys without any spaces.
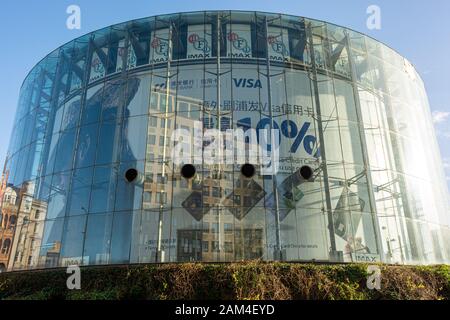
{"x":446,"y":163}
{"x":440,"y":116}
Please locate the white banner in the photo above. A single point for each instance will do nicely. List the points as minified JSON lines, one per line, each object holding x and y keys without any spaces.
{"x":97,"y":67}
{"x":278,"y":44}
{"x":248,"y":108}
{"x":199,"y":43}
{"x":293,"y":115}
{"x":131,"y":63}
{"x":159,"y":46}
{"x":239,"y":41}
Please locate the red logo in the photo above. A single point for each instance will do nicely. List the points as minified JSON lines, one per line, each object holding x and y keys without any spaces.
{"x":271,"y":39}
{"x":233,"y":36}
{"x":155,"y":43}
{"x":193,"y":38}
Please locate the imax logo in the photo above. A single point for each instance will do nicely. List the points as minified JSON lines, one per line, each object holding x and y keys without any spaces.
{"x":247,"y":83}
{"x":161,"y":46}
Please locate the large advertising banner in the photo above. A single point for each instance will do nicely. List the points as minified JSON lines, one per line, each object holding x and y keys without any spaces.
{"x":131,"y":58}
{"x":97,"y":67}
{"x":199,"y":42}
{"x":159,"y":46}
{"x":239,"y":41}
{"x":278,"y":44}
{"x":244,"y":105}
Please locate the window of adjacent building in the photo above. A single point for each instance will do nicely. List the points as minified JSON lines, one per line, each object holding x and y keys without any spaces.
{"x":161,"y":197}
{"x":214,"y":227}
{"x":228,"y":246}
{"x":153,"y":122}
{"x":6,"y":245}
{"x":150,"y":157}
{"x":151,"y":139}
{"x":228,"y":227}
{"x":216,"y":192}
{"x":160,"y":178}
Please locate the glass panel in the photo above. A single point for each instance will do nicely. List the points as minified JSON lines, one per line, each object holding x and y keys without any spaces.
{"x":129,"y":194}
{"x":107,"y":144}
{"x":98,"y":239}
{"x":51,"y":243}
{"x":58,"y":195}
{"x":134,"y":138}
{"x":73,"y":237}
{"x":87,"y":145}
{"x":64,"y":154}
{"x":122,"y":231}
{"x":80,"y":191}
{"x":103,"y":189}
{"x":92,"y":106}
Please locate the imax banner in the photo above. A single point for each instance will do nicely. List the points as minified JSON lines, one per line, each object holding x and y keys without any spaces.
{"x":199,"y":43}
{"x":278,"y":44}
{"x":98,"y":69}
{"x":131,"y":57}
{"x":159,"y":46}
{"x":239,"y":41}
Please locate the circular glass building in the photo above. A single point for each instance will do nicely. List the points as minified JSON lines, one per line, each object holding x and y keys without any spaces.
{"x":223,"y":136}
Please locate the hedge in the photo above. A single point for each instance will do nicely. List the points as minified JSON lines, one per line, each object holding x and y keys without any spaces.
{"x":235,"y":281}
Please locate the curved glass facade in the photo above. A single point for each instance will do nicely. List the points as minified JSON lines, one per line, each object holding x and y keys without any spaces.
{"x":340,"y":103}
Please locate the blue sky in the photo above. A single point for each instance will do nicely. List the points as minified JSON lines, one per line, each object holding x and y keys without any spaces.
{"x":419,"y":30}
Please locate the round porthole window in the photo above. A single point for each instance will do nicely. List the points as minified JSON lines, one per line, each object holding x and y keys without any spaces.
{"x":248,"y":170}
{"x":306,"y":172}
{"x":131,"y":175}
{"x":188,"y":171}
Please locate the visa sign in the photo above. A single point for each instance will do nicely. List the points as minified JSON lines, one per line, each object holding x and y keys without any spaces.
{"x":247,"y":83}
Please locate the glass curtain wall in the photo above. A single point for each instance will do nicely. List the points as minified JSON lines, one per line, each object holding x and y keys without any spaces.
{"x":345,"y":105}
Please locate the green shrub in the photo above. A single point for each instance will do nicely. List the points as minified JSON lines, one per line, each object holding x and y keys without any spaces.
{"x":242,"y":281}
